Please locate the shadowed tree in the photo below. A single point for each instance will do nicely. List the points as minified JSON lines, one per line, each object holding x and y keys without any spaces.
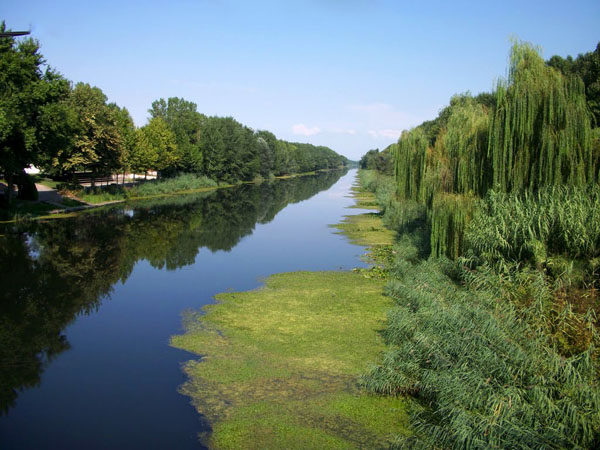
{"x":33,"y":122}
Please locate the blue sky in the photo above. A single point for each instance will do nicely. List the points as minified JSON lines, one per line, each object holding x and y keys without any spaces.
{"x":347,"y":74}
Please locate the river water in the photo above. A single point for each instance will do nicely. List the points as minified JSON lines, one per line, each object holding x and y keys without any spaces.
{"x":88,"y":304}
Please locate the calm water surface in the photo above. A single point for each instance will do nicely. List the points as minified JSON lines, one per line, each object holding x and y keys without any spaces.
{"x":87,"y":305}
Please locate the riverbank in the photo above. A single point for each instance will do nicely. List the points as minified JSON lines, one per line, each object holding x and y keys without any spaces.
{"x":77,"y":200}
{"x":280,"y":365}
{"x":490,"y":351}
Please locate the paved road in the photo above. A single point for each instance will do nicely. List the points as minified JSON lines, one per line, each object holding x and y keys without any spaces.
{"x":47,"y":194}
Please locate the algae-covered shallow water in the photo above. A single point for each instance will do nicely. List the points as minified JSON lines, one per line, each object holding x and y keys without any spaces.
{"x":88,"y":304}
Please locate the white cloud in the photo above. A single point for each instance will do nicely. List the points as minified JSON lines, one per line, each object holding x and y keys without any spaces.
{"x":303,"y":130}
{"x":393,"y":134}
{"x":386,"y":133}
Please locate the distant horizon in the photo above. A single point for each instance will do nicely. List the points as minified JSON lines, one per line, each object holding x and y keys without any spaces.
{"x":347,"y":75}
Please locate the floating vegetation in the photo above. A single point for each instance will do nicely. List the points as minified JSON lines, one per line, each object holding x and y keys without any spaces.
{"x":280,"y":365}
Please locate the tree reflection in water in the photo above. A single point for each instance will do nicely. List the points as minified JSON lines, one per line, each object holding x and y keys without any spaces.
{"x":52,"y":272}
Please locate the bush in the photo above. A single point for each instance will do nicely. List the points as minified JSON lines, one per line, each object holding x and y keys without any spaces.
{"x":500,"y":360}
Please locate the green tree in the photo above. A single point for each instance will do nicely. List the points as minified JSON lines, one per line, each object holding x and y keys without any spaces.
{"x":143,"y":155}
{"x":32,"y":122}
{"x":185,"y":122}
{"x":162,"y":141}
{"x":97,"y":143}
{"x":127,"y":132}
{"x":213,"y":148}
{"x":269,"y":152}
{"x":587,"y":67}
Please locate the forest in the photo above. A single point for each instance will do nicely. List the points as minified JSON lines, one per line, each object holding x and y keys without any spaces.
{"x":64,"y":128}
{"x":496,"y":202}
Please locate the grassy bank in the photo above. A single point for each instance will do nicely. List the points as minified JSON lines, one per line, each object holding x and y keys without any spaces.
{"x":23,"y":210}
{"x":182,"y":184}
{"x":151,"y":188}
{"x":280,"y":364}
{"x":504,"y":352}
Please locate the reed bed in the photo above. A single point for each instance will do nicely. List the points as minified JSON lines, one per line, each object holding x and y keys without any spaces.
{"x":485,"y":378}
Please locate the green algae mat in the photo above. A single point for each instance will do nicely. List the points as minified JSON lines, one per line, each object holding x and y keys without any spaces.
{"x":280,"y":365}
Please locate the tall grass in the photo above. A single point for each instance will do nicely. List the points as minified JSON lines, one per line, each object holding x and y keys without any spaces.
{"x":484,"y":377}
{"x":494,"y":353}
{"x":185,"y":182}
{"x":543,"y":228}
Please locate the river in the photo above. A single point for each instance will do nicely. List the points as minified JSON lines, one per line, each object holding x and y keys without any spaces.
{"x":88,"y":304}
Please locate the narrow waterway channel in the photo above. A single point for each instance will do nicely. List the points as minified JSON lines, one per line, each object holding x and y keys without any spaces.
{"x":88,"y":304}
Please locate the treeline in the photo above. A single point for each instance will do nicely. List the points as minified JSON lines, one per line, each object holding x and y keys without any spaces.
{"x":495,"y":280}
{"x":63,"y":128}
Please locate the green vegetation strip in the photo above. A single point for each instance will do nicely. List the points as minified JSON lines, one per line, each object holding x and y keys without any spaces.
{"x":280,"y":364}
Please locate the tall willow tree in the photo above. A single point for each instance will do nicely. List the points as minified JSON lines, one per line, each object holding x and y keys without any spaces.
{"x":410,"y":158}
{"x":465,"y":144}
{"x":534,"y":131}
{"x":540,"y":132}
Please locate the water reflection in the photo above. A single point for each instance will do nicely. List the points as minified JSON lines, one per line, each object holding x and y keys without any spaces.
{"x":54,"y":271}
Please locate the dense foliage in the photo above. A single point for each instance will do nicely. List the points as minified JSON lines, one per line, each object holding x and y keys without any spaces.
{"x":380,"y":161}
{"x":64,"y":129}
{"x":535,"y":130}
{"x":33,"y":117}
{"x":497,"y":353}
{"x":587,"y":67}
{"x":500,"y":346}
